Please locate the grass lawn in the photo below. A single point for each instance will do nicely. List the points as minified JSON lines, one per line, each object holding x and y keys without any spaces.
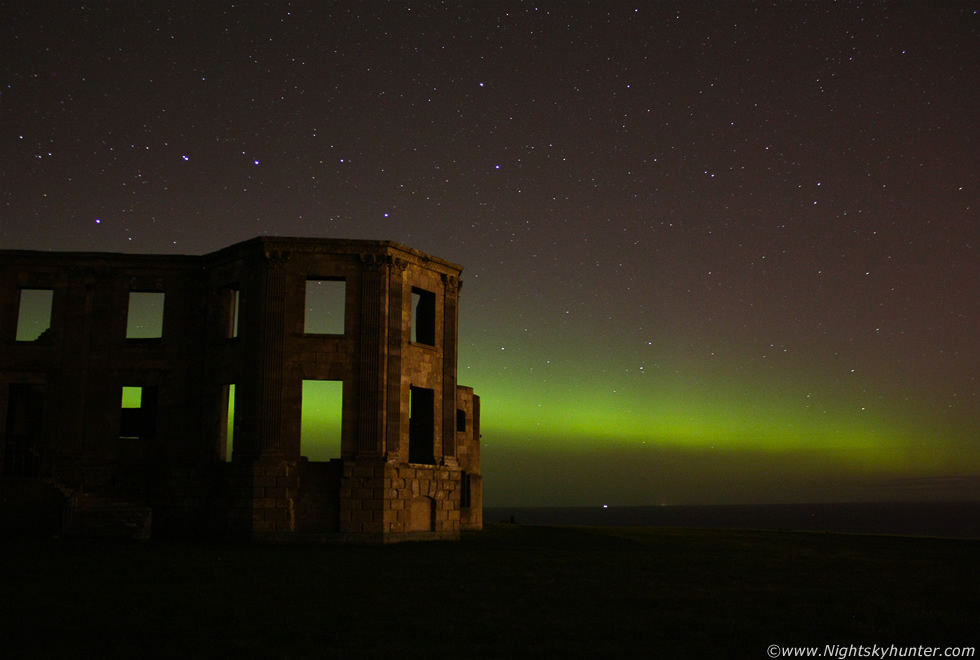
{"x":509,"y":591}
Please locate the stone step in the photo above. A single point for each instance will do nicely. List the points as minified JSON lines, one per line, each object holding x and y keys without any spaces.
{"x":99,"y":516}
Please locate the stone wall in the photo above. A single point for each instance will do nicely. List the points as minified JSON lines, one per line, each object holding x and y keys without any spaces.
{"x":398,"y":343}
{"x":394,"y":499}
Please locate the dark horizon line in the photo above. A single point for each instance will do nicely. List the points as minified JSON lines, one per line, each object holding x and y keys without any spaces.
{"x":737,"y":504}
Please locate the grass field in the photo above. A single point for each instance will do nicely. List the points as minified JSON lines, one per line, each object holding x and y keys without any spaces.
{"x":509,"y":591}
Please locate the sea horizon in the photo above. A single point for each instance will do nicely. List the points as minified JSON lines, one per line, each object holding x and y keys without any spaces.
{"x":953,"y":519}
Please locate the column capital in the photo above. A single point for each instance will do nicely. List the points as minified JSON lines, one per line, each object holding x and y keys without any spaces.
{"x":276,"y":257}
{"x":452,"y":283}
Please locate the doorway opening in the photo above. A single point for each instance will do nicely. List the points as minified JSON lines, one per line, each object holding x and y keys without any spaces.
{"x":138,"y":416}
{"x":25,"y":406}
{"x":321,"y":419}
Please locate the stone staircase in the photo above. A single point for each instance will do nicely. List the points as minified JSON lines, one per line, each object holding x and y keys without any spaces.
{"x":107,"y":517}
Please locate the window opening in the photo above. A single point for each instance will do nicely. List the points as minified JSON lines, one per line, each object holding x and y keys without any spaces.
{"x":322,"y":417}
{"x":34,"y":314}
{"x":145,"y":319}
{"x":325,"y":302}
{"x":460,"y":419}
{"x":231,"y":311}
{"x":423,"y":317}
{"x":228,"y":420}
{"x":138,"y":417}
{"x":421,"y":426}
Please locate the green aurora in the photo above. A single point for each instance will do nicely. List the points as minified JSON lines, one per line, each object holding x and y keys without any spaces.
{"x":797,"y":432}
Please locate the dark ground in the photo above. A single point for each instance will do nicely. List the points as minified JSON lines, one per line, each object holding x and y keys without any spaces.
{"x":509,"y":591}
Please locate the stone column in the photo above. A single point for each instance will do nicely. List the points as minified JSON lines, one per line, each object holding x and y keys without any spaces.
{"x":370,"y":378}
{"x":396,"y":336}
{"x":75,"y":329}
{"x":451,"y":287}
{"x":272,"y":329}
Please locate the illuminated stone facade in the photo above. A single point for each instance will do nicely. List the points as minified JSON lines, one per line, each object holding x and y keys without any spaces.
{"x":236,"y":325}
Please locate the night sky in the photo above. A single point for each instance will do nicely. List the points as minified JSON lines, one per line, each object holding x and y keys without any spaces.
{"x":714,"y":252}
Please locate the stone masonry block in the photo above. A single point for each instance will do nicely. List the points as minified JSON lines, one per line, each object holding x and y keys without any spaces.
{"x":363,"y":471}
{"x":361,"y":516}
{"x":276,"y":514}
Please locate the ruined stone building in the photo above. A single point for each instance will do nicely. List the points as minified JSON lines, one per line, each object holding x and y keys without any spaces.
{"x":179,"y":385}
